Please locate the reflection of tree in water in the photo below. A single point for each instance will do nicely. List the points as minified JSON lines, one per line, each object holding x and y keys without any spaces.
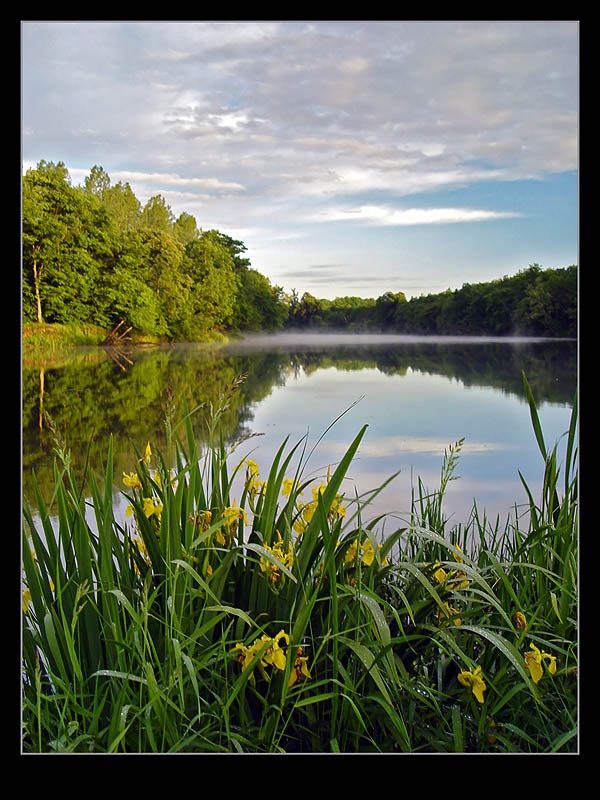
{"x":89,"y":397}
{"x":90,"y":401}
{"x":551,"y":367}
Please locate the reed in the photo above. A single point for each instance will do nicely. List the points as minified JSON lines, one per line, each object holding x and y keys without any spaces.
{"x":286,"y":621}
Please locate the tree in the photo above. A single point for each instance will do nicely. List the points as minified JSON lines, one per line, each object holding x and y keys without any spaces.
{"x":147,"y":287}
{"x":97,"y":182}
{"x":214,"y":283}
{"x":66,"y":243}
{"x":157,"y":215}
{"x":260,"y":305}
{"x":185,"y":229}
{"x":386,"y":308}
{"x":122,"y":206}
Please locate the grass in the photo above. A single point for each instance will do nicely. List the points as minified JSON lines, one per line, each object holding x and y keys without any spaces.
{"x":47,"y":339}
{"x":43,"y":341}
{"x":287,"y":623}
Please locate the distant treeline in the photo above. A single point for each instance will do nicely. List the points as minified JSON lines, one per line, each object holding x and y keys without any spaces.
{"x":92,"y":254}
{"x":534,"y":302}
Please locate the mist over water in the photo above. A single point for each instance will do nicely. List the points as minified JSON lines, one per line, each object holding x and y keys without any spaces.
{"x":333,"y":338}
{"x":417,"y":395}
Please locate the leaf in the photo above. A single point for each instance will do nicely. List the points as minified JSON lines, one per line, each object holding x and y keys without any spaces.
{"x":262,"y":551}
{"x":534,"y":417}
{"x":510,"y":651}
{"x":368,"y":659}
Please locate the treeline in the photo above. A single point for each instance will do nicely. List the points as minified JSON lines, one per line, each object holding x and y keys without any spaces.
{"x":534,"y":302}
{"x":92,"y":254}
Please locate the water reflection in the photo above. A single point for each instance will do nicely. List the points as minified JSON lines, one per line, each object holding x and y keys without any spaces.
{"x":419,"y":395}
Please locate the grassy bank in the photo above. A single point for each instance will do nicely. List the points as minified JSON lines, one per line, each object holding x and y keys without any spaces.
{"x":282,"y":621}
{"x":44,"y":341}
{"x":49,"y":339}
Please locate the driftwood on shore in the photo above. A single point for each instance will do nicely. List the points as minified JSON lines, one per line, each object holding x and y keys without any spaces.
{"x":115,"y":338}
{"x":113,"y":343}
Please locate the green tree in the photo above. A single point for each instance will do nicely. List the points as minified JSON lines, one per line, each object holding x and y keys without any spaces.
{"x":157,"y":215}
{"x":214,"y":284}
{"x":185,"y":229}
{"x":66,"y":246}
{"x":147,"y":287}
{"x":97,"y":182}
{"x":260,"y":305}
{"x":122,"y":206}
{"x":386,"y":308}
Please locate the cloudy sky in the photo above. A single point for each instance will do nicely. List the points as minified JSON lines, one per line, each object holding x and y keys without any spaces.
{"x":351,"y":157}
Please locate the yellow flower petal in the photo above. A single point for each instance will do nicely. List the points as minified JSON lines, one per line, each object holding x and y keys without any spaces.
{"x":132,"y":480}
{"x":474,"y":681}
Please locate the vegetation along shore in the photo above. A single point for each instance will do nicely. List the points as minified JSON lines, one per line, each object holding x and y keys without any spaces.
{"x":93,"y":257}
{"x":284,"y":622}
{"x":279,"y":617}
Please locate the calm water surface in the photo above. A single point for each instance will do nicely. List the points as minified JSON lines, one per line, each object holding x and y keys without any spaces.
{"x":418,"y":395}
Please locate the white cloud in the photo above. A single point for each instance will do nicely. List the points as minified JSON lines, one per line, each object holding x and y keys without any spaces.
{"x":383,"y":215}
{"x":172,"y":179}
{"x":397,"y":446}
{"x":264,"y":124}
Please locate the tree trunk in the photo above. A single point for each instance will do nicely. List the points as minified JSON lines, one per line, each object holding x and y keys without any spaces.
{"x":36,"y":281}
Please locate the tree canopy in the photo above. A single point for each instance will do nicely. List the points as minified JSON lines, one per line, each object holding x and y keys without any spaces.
{"x":93,"y":254}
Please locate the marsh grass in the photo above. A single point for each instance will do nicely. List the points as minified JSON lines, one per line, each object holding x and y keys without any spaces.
{"x":282,"y":622}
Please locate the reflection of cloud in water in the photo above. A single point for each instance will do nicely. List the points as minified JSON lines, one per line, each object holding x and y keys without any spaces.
{"x":387,"y":446}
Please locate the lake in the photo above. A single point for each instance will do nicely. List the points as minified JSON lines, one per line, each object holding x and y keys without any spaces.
{"x":418,"y":396}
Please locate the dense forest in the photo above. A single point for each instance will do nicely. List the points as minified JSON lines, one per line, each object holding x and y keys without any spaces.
{"x":92,"y":254}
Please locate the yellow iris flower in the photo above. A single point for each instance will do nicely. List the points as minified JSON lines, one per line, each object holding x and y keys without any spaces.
{"x":132,"y":480}
{"x":473,"y":681}
{"x":299,"y":669}
{"x":288,"y":486}
{"x":448,"y":611}
{"x":233,"y":513}
{"x":534,"y":661}
{"x":152,"y":506}
{"x":286,"y":558}
{"x":274,"y":655}
{"x":230,"y":517}
{"x":253,"y":484}
{"x":367,"y":551}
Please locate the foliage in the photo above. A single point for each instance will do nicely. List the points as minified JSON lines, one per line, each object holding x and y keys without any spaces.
{"x":93,"y":254}
{"x":534,"y":302}
{"x":88,"y":251}
{"x":66,"y":243}
{"x":283,"y":623}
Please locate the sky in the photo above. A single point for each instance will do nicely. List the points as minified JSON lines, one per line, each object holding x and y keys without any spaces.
{"x":350,"y":157}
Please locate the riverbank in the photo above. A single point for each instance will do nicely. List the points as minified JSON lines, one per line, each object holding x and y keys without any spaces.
{"x":282,"y":623}
{"x":41,"y":341}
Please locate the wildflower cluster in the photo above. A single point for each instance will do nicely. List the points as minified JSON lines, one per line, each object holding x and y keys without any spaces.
{"x":473,"y":680}
{"x":284,"y":556}
{"x":534,"y":657}
{"x":306,"y":511}
{"x":453,"y":580}
{"x":152,"y":505}
{"x":254,"y":485}
{"x":231,"y":515}
{"x":367,"y":552}
{"x":273,"y":655}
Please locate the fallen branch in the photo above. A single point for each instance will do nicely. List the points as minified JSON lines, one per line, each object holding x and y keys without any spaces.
{"x":114,"y":338}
